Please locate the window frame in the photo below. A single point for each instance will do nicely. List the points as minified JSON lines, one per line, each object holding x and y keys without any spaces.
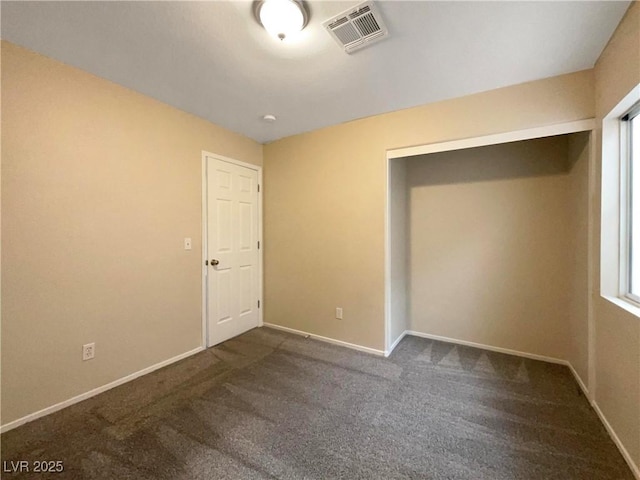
{"x":610,"y":172}
{"x":627,"y":193}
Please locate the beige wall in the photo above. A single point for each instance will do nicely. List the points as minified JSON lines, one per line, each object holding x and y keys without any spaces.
{"x":99,"y":187}
{"x":577,"y":352}
{"x":398,"y":250}
{"x":489,"y":245}
{"x":325,"y":200}
{"x":617,"y":335}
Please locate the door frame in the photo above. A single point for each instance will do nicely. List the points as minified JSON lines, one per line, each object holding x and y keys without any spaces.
{"x":205,"y":303}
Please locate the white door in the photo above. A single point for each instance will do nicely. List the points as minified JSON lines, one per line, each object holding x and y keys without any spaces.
{"x":232,"y":249}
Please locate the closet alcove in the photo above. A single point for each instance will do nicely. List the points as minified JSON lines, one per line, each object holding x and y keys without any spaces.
{"x":489,"y":245}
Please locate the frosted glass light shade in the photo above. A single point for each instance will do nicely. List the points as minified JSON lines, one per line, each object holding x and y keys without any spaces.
{"x":281,"y":18}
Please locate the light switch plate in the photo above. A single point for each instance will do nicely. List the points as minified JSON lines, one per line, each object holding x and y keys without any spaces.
{"x":187,"y":244}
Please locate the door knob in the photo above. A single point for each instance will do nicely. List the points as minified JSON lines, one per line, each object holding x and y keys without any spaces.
{"x":214,"y":262}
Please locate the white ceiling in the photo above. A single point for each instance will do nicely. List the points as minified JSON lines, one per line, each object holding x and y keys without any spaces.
{"x":212,"y":59}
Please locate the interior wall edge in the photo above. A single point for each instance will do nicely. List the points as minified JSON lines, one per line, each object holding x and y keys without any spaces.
{"x":616,"y":440}
{"x":395,"y":343}
{"x":109,"y":174}
{"x":616,"y":345}
{"x":96,"y":391}
{"x":517,"y":353}
{"x":492,"y":348}
{"x":304,"y":167}
{"x":623,"y":451}
{"x":333,"y":341}
{"x":581,"y":384}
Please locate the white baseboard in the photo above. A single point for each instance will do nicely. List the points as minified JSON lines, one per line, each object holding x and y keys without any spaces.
{"x":634,"y":468}
{"x":581,"y":384}
{"x":395,"y":343}
{"x":92,"y":393}
{"x":508,"y":351}
{"x":326,"y":339}
{"x":625,"y":454}
{"x":96,"y":391}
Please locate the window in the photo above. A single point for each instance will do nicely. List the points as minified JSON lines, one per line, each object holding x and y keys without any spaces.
{"x":631,"y":136}
{"x":620,"y":204}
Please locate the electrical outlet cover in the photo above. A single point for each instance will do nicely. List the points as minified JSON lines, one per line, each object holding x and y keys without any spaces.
{"x":88,"y":351}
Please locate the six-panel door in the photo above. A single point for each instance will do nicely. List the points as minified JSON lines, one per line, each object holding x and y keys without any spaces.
{"x":232,"y":235}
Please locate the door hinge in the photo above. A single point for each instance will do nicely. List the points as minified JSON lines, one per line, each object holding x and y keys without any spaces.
{"x":258,"y":303}
{"x":206,"y":262}
{"x":258,"y":244}
{"x":258,"y":187}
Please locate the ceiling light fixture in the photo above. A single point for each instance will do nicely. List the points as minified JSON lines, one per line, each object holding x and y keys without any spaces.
{"x":281,"y":18}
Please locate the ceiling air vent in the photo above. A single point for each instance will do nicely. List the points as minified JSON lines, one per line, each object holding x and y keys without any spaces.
{"x":357,"y":28}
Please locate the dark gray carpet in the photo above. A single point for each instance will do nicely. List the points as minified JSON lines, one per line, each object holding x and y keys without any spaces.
{"x":272,"y":405}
